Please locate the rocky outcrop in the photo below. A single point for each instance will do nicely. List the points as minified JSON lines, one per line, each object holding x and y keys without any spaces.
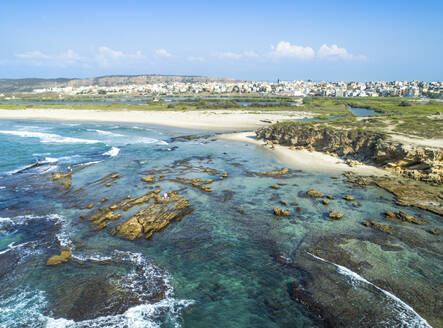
{"x":335,"y":215}
{"x":57,"y":259}
{"x":413,"y":161}
{"x":314,"y":193}
{"x":379,"y":226}
{"x":154,"y":218}
{"x":281,"y":212}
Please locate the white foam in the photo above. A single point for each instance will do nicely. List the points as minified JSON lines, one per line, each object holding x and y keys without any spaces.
{"x":11,"y":246}
{"x":112,"y":152}
{"x":404,"y":310}
{"x":49,"y":137}
{"x":107,"y":133}
{"x":51,"y":160}
{"x":26,"y":308}
{"x":146,"y":140}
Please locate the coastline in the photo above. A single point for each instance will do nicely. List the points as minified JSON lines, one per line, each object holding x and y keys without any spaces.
{"x":215,"y":120}
{"x":304,"y":159}
{"x":220,"y":120}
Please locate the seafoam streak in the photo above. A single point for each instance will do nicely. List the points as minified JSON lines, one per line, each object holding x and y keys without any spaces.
{"x":49,"y":137}
{"x":355,"y":277}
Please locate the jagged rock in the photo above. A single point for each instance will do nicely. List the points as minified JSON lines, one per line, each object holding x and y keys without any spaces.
{"x":379,"y":226}
{"x":198,"y":183}
{"x":335,"y":215}
{"x":353,"y":163}
{"x":281,"y":212}
{"x":57,"y":259}
{"x":63,"y":178}
{"x":413,"y":161}
{"x":402,"y":216}
{"x":349,"y":197}
{"x":148,"y":179}
{"x":281,"y":172}
{"x":155,"y":217}
{"x":325,"y":201}
{"x":314,"y":193}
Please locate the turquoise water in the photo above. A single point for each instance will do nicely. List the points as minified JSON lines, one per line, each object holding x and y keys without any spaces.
{"x":230,"y":263}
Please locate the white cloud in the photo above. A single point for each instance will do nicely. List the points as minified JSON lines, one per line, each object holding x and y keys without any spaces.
{"x":335,"y":52}
{"x":237,"y":56}
{"x":286,"y":49}
{"x":196,"y":59}
{"x":103,"y":56}
{"x":106,"y":56}
{"x":33,"y":55}
{"x":163,"y":53}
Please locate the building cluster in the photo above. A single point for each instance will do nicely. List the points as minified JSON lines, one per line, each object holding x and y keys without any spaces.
{"x":290,"y":88}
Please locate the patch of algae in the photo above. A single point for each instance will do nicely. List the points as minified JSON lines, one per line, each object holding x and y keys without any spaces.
{"x":57,"y":259}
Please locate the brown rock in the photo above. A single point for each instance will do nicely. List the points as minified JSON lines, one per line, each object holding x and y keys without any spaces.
{"x":349,"y":197}
{"x":281,"y":212}
{"x":379,"y":226}
{"x":57,"y":259}
{"x":335,"y":215}
{"x":315,"y":194}
{"x":325,"y":201}
{"x":148,"y":179}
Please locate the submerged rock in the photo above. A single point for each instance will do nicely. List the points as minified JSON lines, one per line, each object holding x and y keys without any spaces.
{"x":283,"y":171}
{"x":379,"y":226}
{"x":404,"y":217}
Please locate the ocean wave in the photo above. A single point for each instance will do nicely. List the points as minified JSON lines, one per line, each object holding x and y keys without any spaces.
{"x":49,"y":137}
{"x":11,"y":246}
{"x":27,"y":308}
{"x":146,"y":140}
{"x":112,"y":152}
{"x":107,"y":133}
{"x":408,"y":315}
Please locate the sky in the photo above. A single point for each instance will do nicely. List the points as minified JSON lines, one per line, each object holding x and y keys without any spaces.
{"x":322,"y":40}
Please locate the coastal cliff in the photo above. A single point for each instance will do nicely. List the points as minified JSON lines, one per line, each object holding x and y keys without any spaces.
{"x":412,"y":161}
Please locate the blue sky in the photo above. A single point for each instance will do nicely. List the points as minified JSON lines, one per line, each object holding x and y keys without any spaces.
{"x":257,"y":40}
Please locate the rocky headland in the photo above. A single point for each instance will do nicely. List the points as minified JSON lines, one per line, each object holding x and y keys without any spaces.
{"x":409,"y":160}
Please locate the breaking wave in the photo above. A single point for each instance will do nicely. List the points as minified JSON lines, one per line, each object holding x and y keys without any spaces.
{"x":112,"y":152}
{"x":409,"y":317}
{"x":49,"y":137}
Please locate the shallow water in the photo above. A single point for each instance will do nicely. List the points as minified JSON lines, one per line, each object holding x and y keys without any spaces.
{"x":230,"y":263}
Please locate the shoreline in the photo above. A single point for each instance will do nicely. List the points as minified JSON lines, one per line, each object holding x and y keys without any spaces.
{"x":304,"y":159}
{"x":217,"y":120}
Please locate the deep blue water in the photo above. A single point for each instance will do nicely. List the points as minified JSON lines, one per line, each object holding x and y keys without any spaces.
{"x":230,"y":263}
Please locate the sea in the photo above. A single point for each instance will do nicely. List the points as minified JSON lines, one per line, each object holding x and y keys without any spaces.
{"x":229,"y":263}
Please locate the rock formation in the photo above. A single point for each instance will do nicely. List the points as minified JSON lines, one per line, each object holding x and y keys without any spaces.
{"x":413,"y":161}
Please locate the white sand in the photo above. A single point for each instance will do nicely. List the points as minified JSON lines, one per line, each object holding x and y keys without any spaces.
{"x":304,"y":159}
{"x":205,"y":120}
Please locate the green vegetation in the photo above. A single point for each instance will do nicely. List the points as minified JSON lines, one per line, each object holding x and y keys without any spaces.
{"x":396,"y":115}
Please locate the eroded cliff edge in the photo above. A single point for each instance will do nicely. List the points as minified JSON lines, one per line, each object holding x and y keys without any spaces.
{"x":411,"y":161}
{"x":418,"y":169}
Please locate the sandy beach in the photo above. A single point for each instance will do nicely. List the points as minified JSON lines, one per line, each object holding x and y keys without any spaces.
{"x":223,"y":120}
{"x":304,"y":159}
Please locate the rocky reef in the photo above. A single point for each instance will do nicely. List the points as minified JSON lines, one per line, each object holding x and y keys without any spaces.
{"x":412,"y":161}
